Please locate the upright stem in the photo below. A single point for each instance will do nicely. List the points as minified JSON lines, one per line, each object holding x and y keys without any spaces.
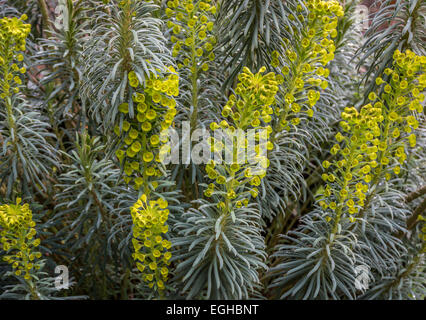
{"x":146,"y":190}
{"x":342,"y":199}
{"x":44,"y":13}
{"x":5,"y":87}
{"x":26,"y":260}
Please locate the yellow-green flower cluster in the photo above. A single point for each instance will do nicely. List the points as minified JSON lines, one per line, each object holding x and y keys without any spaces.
{"x":154,"y":108}
{"x":348,"y":177}
{"x":250,"y":108}
{"x":191,"y":23}
{"x":303,"y":61}
{"x":400,"y":96}
{"x":149,"y":226}
{"x":18,"y":238}
{"x":13,"y":34}
{"x":375,"y":139}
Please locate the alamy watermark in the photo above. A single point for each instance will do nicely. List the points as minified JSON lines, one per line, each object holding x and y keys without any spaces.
{"x":362,"y":277}
{"x":223,"y":145}
{"x":61,"y":22}
{"x":361,"y":17}
{"x":62,"y":281}
{"x":61,"y":16}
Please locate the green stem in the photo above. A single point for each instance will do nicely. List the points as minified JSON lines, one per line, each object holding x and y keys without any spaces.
{"x":147,"y":191}
{"x":26,"y":260}
{"x":44,"y":13}
{"x":342,"y":199}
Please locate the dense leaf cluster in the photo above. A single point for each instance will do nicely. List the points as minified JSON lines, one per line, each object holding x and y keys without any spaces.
{"x":331,"y":207}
